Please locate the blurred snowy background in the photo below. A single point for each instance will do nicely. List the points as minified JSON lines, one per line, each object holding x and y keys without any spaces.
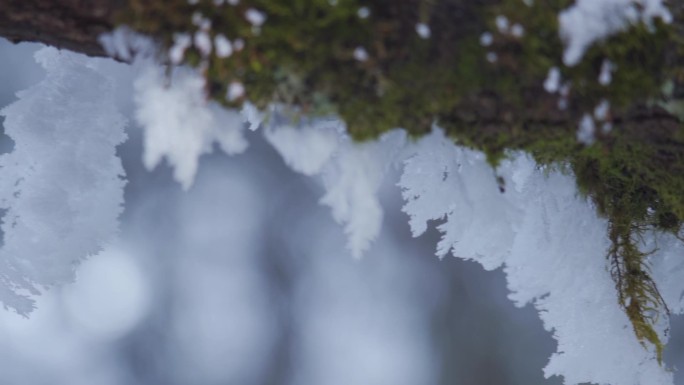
{"x":245,"y":279}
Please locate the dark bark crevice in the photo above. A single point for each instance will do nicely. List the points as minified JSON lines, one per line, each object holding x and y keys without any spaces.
{"x":70,"y":24}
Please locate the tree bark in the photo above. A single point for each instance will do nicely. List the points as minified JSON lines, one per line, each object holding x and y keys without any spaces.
{"x":71,"y":24}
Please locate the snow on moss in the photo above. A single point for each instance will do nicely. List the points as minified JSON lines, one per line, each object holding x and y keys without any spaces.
{"x":180,"y":124}
{"x":589,"y":21}
{"x":551,"y":244}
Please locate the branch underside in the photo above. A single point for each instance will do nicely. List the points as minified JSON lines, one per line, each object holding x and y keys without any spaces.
{"x":71,"y":24}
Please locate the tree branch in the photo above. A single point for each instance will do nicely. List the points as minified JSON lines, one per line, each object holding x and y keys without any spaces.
{"x":69,"y":24}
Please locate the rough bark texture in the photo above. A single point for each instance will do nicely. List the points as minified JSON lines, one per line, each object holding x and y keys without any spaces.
{"x":70,"y":24}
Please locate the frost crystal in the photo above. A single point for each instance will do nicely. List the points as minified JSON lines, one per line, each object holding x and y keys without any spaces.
{"x":352,"y":173}
{"x":306,"y":149}
{"x":551,"y":245}
{"x":553,"y":80}
{"x":180,"y":124}
{"x":423,"y":30}
{"x":352,"y":182}
{"x":62,"y":186}
{"x":589,"y":21}
{"x":224,"y":48}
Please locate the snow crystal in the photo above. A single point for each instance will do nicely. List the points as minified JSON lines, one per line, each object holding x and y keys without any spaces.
{"x":181,"y":42}
{"x":203,"y":42}
{"x":360,"y":54}
{"x":252,"y":116}
{"x":586,"y":130}
{"x":553,"y":80}
{"x":517,"y":30}
{"x":589,"y":21}
{"x":552,"y":246}
{"x":308,"y":148}
{"x":223,"y":46}
{"x":423,"y":30}
{"x":606,"y":75}
{"x":445,"y":181}
{"x":125,"y":44}
{"x":62,"y":185}
{"x":486,"y":39}
{"x":352,"y":182}
{"x":363,"y":12}
{"x":180,"y":124}
{"x":351,"y":172}
{"x":502,"y":23}
{"x":602,"y":110}
{"x":255,"y":17}
{"x":197,"y":18}
{"x":236,"y":90}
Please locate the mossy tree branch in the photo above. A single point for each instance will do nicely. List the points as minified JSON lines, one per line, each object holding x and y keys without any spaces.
{"x":486,"y":95}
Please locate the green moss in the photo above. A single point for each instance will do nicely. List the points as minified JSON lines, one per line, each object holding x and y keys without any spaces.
{"x":303,"y":59}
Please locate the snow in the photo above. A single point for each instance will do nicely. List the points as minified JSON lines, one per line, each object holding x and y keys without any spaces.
{"x":606,"y":75}
{"x":62,"y":185}
{"x":351,"y":172}
{"x":602,"y":110}
{"x":589,"y":21}
{"x":443,"y":180}
{"x":252,"y":116}
{"x":363,"y":12}
{"x":255,"y":17}
{"x":181,"y":42}
{"x":587,"y":129}
{"x":352,"y":182}
{"x":236,"y":90}
{"x":502,"y":23}
{"x":423,"y":30}
{"x":553,"y":80}
{"x":486,"y":39}
{"x":125,"y":44}
{"x":517,"y":30}
{"x":180,"y":124}
{"x":550,"y":243}
{"x":224,"y":48}
{"x":305,"y":149}
{"x":203,"y":43}
{"x":360,"y":54}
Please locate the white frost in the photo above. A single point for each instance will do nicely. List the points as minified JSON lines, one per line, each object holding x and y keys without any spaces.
{"x":553,"y":80}
{"x":351,"y":172}
{"x":423,"y":30}
{"x":308,"y":148}
{"x":224,"y":48}
{"x":181,"y":42}
{"x":180,"y":124}
{"x":255,"y":17}
{"x":552,"y":247}
{"x":360,"y":54}
{"x":589,"y":21}
{"x":606,"y":75}
{"x":62,"y":185}
{"x":352,"y":181}
{"x":587,"y":130}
